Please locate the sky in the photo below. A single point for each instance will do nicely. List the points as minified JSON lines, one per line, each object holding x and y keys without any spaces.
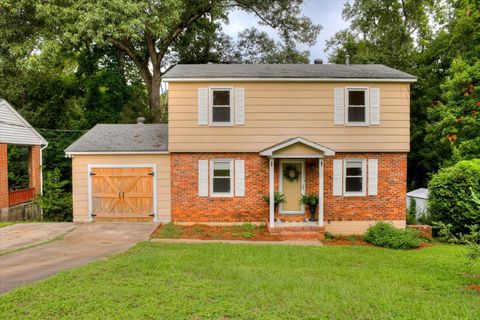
{"x":327,"y":13}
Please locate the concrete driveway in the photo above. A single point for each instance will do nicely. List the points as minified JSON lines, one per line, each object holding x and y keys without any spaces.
{"x":30,"y":234}
{"x":87,"y":242}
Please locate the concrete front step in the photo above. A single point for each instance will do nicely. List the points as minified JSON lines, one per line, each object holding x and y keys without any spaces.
{"x":298,"y":231}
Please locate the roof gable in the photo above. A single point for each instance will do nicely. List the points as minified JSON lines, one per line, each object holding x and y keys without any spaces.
{"x":14,"y":129}
{"x":293,"y":141}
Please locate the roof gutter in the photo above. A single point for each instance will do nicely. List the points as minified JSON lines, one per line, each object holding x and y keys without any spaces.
{"x":72,"y":153}
{"x":288,"y":80}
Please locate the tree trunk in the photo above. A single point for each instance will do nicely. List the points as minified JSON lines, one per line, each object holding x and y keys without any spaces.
{"x":153,"y":87}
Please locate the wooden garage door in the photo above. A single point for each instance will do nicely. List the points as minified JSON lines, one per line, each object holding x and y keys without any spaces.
{"x":122,"y":192}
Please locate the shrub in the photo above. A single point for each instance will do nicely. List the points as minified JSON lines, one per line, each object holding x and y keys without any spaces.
{"x":412,"y":212}
{"x":278,"y":198}
{"x":451,"y":196}
{"x":386,"y":235}
{"x":55,"y":202}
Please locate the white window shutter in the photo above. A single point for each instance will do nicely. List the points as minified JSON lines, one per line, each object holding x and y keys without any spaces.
{"x":202,"y":106}
{"x":239,"y":106}
{"x":202,"y":178}
{"x":374,"y":106}
{"x":239,"y":178}
{"x":372,"y":177}
{"x":339,"y":106}
{"x":337,"y":177}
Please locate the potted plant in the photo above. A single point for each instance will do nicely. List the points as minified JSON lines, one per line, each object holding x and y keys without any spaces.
{"x":312,"y":201}
{"x":278,"y":197}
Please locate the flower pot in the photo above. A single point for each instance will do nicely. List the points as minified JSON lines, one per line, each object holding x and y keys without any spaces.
{"x":312,"y":209}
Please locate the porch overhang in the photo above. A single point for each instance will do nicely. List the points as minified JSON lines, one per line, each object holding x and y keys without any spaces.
{"x":275,"y":150}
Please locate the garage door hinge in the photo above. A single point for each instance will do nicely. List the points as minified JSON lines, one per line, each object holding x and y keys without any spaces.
{"x":151,"y":174}
{"x":93,"y":173}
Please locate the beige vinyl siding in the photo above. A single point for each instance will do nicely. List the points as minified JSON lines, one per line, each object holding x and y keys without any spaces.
{"x":80,"y":180}
{"x":277,"y":111}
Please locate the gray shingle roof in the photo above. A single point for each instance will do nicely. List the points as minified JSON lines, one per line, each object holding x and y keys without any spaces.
{"x":300,"y":71}
{"x":122,"y":137}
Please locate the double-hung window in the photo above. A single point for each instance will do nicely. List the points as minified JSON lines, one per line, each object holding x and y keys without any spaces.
{"x":221,"y":107}
{"x":354,"y":177}
{"x":221,"y":178}
{"x":357,"y":106}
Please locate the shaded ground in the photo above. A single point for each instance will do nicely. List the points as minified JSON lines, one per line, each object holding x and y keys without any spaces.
{"x":222,"y":281}
{"x":87,"y":242}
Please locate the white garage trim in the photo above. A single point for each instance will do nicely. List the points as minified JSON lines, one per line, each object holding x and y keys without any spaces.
{"x":154,"y":169}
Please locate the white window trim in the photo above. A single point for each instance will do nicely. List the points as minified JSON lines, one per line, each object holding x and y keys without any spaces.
{"x":364,"y":179}
{"x":232,"y":177}
{"x":210,"y":107}
{"x":367,"y":106}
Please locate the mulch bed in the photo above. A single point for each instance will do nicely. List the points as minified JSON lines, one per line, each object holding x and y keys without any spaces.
{"x":245,"y":232}
{"x":205,"y":232}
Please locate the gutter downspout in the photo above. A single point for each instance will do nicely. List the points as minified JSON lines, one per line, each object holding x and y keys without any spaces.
{"x":41,"y":168}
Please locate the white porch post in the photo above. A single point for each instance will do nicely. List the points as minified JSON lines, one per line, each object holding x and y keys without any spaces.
{"x":272,"y":185}
{"x":320,"y":192}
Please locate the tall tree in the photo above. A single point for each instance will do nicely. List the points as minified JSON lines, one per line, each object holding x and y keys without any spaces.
{"x":146,"y":30}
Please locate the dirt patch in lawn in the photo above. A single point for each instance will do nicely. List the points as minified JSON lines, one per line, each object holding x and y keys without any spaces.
{"x":246,"y":231}
{"x":474,"y":287}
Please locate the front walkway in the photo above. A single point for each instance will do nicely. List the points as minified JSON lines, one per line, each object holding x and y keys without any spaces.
{"x":86,"y":243}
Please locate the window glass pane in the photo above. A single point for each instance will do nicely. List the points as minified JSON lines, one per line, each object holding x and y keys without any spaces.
{"x":221,"y":98}
{"x":353,"y":184}
{"x":354,"y":171}
{"x":356,"y":98}
{"x":221,"y":169}
{"x":221,"y":185}
{"x":356,"y":114}
{"x":221,"y":114}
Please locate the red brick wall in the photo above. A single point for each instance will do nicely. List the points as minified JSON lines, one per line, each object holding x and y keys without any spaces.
{"x":389,"y":204}
{"x":3,"y":176}
{"x":34,"y":167}
{"x":187,"y":206}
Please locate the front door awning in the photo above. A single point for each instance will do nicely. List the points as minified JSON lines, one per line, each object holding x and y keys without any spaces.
{"x":293,"y":148}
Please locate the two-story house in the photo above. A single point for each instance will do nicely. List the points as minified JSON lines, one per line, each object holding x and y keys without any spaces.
{"x":238,"y":133}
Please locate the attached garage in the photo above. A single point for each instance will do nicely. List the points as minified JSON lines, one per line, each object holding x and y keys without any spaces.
{"x":121,"y":173}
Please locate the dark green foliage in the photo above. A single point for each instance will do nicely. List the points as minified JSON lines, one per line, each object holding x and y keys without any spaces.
{"x":310,"y":199}
{"x":278,"y":197}
{"x":450,"y":198}
{"x":412,"y":212}
{"x":18,"y":176}
{"x":471,"y":239}
{"x":386,"y":235}
{"x":56,"y":203}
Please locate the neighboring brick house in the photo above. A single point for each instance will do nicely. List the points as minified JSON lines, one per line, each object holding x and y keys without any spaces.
{"x":16,"y":204}
{"x":239,"y":132}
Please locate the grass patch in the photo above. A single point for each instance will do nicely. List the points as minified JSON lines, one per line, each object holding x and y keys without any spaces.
{"x":221,"y":281}
{"x":4,"y":224}
{"x":170,"y":230}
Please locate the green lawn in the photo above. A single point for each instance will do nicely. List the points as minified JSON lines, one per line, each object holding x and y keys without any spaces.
{"x":220,"y":281}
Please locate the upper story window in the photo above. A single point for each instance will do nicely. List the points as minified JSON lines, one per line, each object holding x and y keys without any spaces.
{"x":354,"y":177}
{"x":357,"y":106}
{"x":221,"y":107}
{"x":221,"y":178}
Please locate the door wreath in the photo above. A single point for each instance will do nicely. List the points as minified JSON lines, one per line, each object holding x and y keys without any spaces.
{"x":290,"y":172}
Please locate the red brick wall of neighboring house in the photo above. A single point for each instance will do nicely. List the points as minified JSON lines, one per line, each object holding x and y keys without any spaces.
{"x":187,"y":206}
{"x":34,"y":167}
{"x":3,"y":176}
